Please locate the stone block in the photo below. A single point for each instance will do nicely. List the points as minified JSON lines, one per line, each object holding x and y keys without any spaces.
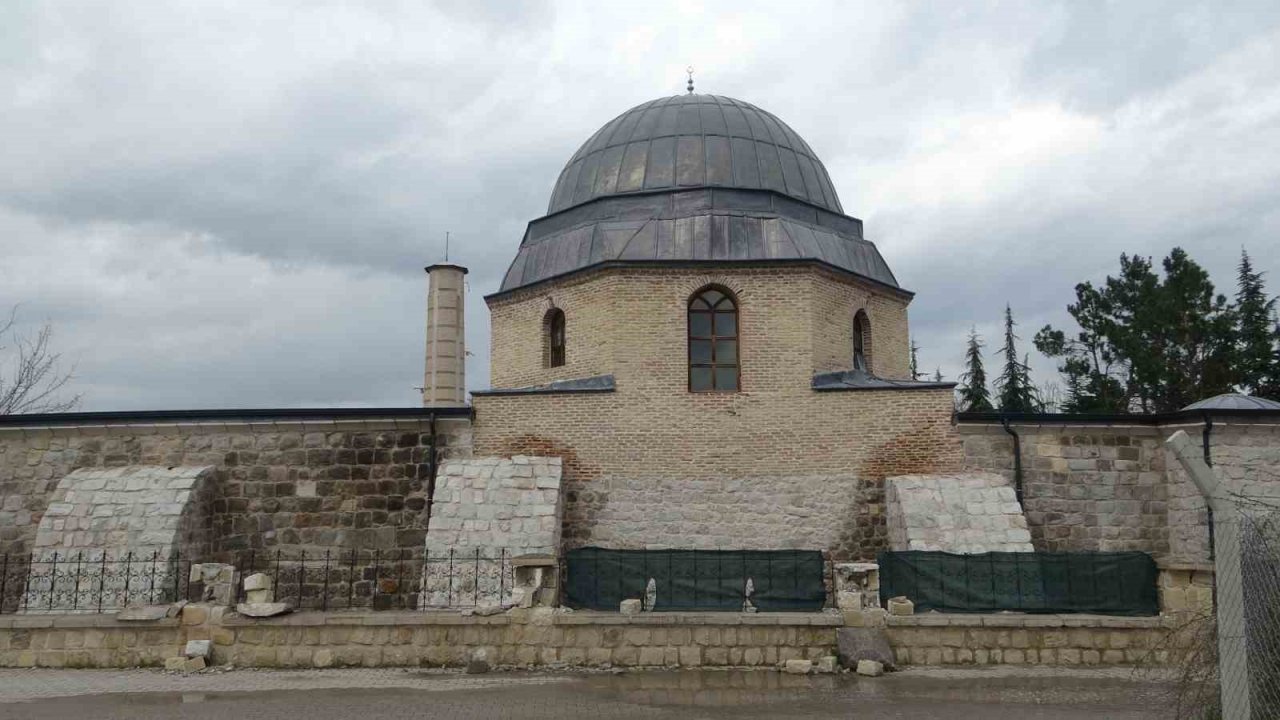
{"x":262,"y":609}
{"x":630,"y":607}
{"x":260,"y":597}
{"x":257,"y":581}
{"x":798,"y":667}
{"x":870,"y":668}
{"x":827,"y":664}
{"x":197,"y":648}
{"x":855,"y":644}
{"x":900,"y":605}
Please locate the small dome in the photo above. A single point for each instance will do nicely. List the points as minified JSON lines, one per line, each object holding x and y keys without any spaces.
{"x":694,"y":141}
{"x":1234,"y":401}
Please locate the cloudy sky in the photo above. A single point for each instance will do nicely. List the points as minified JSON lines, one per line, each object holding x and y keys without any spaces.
{"x":230,"y":204}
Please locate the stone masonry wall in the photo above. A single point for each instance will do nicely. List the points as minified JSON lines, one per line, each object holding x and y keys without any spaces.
{"x":100,"y":515}
{"x":282,"y":484}
{"x":970,"y":513}
{"x":1115,"y":487}
{"x":1084,"y":488}
{"x":1245,"y":456}
{"x":493,"y":509}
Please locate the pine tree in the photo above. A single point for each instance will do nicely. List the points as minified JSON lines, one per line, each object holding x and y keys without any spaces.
{"x":915,"y":364}
{"x":1013,"y":387}
{"x":974,"y":396}
{"x":937,"y":375}
{"x":1257,"y":330}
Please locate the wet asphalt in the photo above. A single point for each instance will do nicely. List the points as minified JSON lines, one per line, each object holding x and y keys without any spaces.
{"x":687,"y":695}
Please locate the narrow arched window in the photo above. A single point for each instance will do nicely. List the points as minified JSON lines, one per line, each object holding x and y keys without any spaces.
{"x":861,"y":333}
{"x":555,"y":337}
{"x":713,"y":341}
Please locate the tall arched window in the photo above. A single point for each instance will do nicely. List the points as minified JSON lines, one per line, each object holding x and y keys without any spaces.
{"x":554,"y":324}
{"x":861,"y":333}
{"x":713,"y":341}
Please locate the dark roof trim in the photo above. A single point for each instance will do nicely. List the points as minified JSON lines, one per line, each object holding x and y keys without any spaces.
{"x":701,"y":265}
{"x":595,"y":384}
{"x":126,"y":417}
{"x":846,"y":380}
{"x":995,"y":418}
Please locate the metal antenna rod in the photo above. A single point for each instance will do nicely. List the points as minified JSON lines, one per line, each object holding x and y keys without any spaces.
{"x":689,"y":70}
{"x":446,"y":246}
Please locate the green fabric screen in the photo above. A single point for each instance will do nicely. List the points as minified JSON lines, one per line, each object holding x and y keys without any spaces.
{"x":783,"y":580}
{"x":1105,"y":583}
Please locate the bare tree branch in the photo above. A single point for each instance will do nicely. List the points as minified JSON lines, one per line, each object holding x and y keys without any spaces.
{"x":35,"y":381}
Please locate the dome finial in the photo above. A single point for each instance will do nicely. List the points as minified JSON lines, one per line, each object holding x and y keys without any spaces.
{"x":690,"y":71}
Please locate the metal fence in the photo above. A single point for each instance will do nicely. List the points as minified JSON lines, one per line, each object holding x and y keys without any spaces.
{"x":90,"y":582}
{"x":322,"y":580}
{"x":1249,"y":629}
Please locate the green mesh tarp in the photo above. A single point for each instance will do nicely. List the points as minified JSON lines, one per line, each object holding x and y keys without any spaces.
{"x":1106,"y":583}
{"x":782,"y":580}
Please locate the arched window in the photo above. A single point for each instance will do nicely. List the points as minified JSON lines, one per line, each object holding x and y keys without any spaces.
{"x":861,"y":334}
{"x":713,"y":341}
{"x":554,"y":324}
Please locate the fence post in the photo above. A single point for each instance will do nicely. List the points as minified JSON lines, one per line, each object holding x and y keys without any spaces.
{"x":4,"y":581}
{"x":1233,"y":650}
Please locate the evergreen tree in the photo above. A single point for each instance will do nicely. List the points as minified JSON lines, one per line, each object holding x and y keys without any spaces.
{"x":1146,"y":343}
{"x":1256,"y":333}
{"x":915,"y":364}
{"x":937,"y":375}
{"x":974,"y":396}
{"x":1014,"y":390}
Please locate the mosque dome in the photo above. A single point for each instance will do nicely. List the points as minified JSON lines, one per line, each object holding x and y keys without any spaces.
{"x":1234,"y":401}
{"x":702,"y":180}
{"x":690,"y":141}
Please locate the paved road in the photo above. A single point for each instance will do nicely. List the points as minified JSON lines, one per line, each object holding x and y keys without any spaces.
{"x":986,"y":694}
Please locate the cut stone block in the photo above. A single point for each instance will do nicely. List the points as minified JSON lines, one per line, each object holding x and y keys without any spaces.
{"x":143,"y":613}
{"x":798,"y":667}
{"x":257,"y":581}
{"x":827,"y":665}
{"x":260,"y":597}
{"x":901,"y":606}
{"x":870,"y":668}
{"x":262,"y":609}
{"x":177,"y":664}
{"x":197,"y":648}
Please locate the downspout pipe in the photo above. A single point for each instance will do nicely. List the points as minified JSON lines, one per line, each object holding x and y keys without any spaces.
{"x":1017,"y":458}
{"x":1208,"y":460}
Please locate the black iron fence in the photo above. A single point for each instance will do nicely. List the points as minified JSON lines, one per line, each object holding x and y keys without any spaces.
{"x":97,"y":582}
{"x":726,"y":580}
{"x":89,"y":581}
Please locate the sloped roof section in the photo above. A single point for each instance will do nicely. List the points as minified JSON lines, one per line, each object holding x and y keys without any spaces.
{"x":1234,"y":401}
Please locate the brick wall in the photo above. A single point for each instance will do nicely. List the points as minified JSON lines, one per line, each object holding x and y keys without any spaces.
{"x":276,"y":485}
{"x":777,"y":467}
{"x":794,"y":322}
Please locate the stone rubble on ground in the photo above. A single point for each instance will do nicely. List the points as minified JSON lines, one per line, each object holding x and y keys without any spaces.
{"x":798,"y":667}
{"x":827,"y":665}
{"x":901,"y":605}
{"x":870,"y":668}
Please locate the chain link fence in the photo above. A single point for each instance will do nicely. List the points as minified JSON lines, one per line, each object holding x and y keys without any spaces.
{"x":1249,"y":630}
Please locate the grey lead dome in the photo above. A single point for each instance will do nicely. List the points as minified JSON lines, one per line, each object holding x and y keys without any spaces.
{"x":692,"y":141}
{"x":700,"y":180}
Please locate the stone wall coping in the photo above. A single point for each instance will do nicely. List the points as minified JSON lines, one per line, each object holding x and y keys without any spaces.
{"x":984,"y":428}
{"x":219,"y":427}
{"x":1016,"y":620}
{"x":80,"y":620}
{"x":1192,"y":566}
{"x":444,"y":617}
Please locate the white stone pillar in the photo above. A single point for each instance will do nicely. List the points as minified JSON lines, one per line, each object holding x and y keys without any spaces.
{"x":445,"y":382}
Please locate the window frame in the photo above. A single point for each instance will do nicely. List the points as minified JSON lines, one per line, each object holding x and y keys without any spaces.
{"x":557,"y":354}
{"x":861,"y":340}
{"x":729,"y":299}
